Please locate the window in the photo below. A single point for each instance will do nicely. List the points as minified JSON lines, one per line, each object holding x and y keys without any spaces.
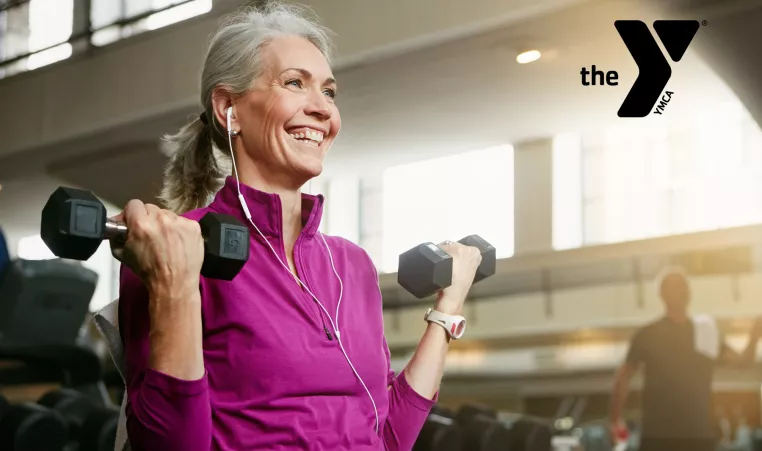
{"x":50,"y":23}
{"x":43,"y":27}
{"x":106,"y":12}
{"x":655,"y":179}
{"x":343,"y":208}
{"x":33,"y":248}
{"x":34,"y":27}
{"x":448,"y":198}
{"x":176,"y":14}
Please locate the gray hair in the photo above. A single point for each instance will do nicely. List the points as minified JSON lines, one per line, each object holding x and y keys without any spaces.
{"x":199,"y":153}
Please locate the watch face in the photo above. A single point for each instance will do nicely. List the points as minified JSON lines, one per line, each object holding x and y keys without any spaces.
{"x":460,"y":328}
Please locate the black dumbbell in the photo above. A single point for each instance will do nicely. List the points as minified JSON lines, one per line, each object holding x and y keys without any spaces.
{"x":74,"y":224}
{"x":439,"y":432}
{"x":91,"y":427}
{"x":30,"y":427}
{"x":426,"y":268}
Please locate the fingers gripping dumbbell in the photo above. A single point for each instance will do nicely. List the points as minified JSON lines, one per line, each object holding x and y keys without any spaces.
{"x":74,"y":224}
{"x":426,"y":268}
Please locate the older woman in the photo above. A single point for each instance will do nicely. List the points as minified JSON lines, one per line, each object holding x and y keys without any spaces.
{"x":291,"y":354}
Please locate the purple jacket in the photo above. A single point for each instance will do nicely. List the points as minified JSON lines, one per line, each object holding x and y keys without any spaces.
{"x":274,"y":379}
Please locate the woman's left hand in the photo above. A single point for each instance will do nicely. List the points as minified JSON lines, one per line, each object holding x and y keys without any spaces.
{"x":465,"y":262}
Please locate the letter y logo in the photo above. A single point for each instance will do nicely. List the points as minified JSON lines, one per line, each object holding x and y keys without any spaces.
{"x":654,"y":69}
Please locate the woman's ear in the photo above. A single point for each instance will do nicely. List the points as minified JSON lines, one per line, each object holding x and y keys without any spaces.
{"x":221,"y":101}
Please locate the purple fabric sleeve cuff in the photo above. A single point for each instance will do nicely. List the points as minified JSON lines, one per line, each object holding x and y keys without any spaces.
{"x":412,"y":396}
{"x":171,"y":384}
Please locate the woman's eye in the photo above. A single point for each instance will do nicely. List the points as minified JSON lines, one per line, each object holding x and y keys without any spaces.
{"x":296,"y":83}
{"x":331,"y":93}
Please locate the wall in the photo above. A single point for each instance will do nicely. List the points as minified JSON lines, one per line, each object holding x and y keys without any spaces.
{"x":533,"y":199}
{"x":21,"y":203}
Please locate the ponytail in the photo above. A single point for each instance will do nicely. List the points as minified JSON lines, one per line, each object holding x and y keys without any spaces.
{"x":193,"y":174}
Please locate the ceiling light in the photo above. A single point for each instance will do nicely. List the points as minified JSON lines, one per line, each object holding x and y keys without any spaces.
{"x":528,"y":56}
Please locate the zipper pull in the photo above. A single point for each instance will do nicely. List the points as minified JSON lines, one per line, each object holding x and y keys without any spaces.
{"x":327,"y":333}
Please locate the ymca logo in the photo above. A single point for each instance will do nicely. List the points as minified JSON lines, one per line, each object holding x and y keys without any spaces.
{"x":654,"y":71}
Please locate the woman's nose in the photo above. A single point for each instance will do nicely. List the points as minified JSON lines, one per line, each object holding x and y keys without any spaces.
{"x":319,"y":106}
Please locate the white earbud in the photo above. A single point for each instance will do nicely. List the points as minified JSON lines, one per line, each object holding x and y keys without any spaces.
{"x":231,"y":132}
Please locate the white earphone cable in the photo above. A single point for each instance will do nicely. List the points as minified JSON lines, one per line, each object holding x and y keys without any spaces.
{"x":335,"y":325}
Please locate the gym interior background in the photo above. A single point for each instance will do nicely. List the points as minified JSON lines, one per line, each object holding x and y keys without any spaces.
{"x":458,"y":118}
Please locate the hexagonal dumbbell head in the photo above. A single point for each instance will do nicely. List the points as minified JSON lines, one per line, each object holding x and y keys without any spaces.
{"x":72,"y":223}
{"x":489,"y":256}
{"x":226,"y":246}
{"x":424,"y":270}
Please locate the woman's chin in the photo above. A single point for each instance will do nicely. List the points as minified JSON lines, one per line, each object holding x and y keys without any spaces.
{"x":309,"y":167}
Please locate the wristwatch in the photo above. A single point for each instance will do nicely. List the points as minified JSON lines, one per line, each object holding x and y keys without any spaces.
{"x":455,"y":325}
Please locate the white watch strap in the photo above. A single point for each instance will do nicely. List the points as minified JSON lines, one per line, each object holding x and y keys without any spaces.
{"x":455,"y":325}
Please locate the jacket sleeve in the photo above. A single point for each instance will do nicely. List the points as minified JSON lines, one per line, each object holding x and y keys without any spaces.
{"x":408,"y":411}
{"x":162,"y":412}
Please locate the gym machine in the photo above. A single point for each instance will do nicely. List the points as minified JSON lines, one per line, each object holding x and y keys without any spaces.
{"x":31,"y":427}
{"x":477,"y":428}
{"x":5,"y":257}
{"x":43,"y":306}
{"x":91,"y":426}
{"x":439,"y":432}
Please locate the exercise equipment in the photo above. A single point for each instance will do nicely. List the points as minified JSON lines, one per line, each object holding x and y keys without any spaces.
{"x":44,"y":302}
{"x":74,"y":224}
{"x":482,"y":431}
{"x":31,"y":427}
{"x":528,"y":434}
{"x":91,"y":426}
{"x":439,"y":433}
{"x":5,"y":258}
{"x":43,"y":307}
{"x":427,"y":269}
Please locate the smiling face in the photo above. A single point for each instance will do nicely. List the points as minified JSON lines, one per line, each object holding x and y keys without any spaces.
{"x":288,"y":120}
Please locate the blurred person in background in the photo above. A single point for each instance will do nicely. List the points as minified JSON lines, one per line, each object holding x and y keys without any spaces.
{"x":291,"y":354}
{"x":678,"y":353}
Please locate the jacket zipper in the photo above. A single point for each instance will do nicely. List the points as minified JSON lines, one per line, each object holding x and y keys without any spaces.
{"x":303,"y":278}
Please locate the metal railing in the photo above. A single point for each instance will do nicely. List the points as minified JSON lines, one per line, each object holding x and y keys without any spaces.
{"x":82,"y":27}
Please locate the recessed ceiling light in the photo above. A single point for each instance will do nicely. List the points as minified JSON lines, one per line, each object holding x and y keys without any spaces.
{"x":528,"y":56}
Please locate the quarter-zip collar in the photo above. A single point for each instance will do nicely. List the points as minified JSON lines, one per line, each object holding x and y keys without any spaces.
{"x":266,"y":209}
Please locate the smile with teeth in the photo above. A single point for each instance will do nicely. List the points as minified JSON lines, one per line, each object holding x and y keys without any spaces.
{"x":311,"y":137}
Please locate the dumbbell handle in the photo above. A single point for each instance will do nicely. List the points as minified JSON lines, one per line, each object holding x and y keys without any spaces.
{"x":115,"y":230}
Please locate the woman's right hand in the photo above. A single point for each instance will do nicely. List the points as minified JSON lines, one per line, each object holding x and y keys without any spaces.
{"x":465,"y":262}
{"x":165,"y":250}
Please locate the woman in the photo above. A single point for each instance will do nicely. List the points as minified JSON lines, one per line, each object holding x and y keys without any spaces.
{"x":291,"y":354}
